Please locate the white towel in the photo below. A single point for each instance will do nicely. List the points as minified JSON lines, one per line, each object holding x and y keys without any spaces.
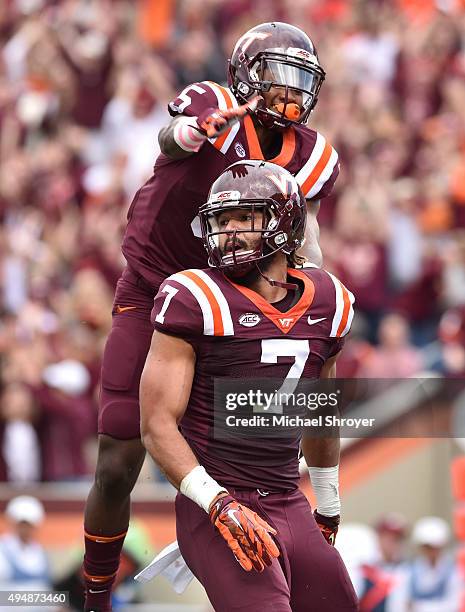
{"x":170,"y":564}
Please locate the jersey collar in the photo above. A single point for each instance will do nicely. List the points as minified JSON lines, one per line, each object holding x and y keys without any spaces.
{"x":284,"y":321}
{"x":255,"y":150}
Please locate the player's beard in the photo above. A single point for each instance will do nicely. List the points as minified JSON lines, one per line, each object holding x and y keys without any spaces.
{"x":254,"y":274}
{"x":241,"y":249}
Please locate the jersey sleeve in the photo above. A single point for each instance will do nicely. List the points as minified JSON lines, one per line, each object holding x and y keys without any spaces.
{"x":342,"y":309}
{"x":176,"y":311}
{"x":190,"y":303}
{"x":333,"y":303}
{"x":194,"y":99}
{"x":320,"y":167}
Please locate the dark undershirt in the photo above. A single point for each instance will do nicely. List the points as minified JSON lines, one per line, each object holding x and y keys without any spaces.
{"x":275,"y":147}
{"x":291,"y":298}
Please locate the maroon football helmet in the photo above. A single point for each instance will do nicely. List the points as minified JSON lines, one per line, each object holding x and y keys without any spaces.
{"x":254,"y":185}
{"x":277,"y":55}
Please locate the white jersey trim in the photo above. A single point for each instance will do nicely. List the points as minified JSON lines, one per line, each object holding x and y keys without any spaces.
{"x":222,"y":302}
{"x":324,"y":176}
{"x":223,"y":105}
{"x":309,"y":166}
{"x":207,"y":312}
{"x":340,"y":304}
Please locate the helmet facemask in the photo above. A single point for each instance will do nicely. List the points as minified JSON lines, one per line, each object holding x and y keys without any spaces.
{"x":237,"y":260}
{"x":299,"y":81}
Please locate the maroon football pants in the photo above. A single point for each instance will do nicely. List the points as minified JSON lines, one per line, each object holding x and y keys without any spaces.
{"x":309,"y":575}
{"x":124,"y":358}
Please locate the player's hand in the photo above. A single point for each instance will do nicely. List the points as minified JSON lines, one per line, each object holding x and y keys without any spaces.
{"x":214,"y":121}
{"x":328,"y":525}
{"x":246,"y":534}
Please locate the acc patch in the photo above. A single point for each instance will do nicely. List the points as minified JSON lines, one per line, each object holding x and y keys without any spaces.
{"x":249,"y":319}
{"x":225,"y":196}
{"x":239,"y":149}
{"x":302,"y":54}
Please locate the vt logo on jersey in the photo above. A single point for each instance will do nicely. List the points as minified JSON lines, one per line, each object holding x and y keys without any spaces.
{"x":249,"y":319}
{"x":285,"y":323}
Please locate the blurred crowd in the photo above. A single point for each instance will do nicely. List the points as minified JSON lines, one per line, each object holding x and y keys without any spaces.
{"x":83,"y":91}
{"x":398,"y":568}
{"x":25,"y":563}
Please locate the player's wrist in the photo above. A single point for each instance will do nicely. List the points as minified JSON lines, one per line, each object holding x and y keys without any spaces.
{"x":332,"y":522}
{"x":188,"y":135}
{"x":201,"y":488}
{"x":218,"y":503}
{"x":325,"y":485}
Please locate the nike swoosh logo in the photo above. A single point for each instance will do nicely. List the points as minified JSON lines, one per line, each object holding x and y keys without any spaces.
{"x":120,"y":309}
{"x":103,"y":591}
{"x":311,"y":321}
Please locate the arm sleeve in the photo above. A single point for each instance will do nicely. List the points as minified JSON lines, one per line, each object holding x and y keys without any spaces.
{"x":319,"y":165}
{"x":336,"y":346}
{"x":343,"y":309}
{"x":333,"y":302}
{"x":193,"y":100}
{"x":327,"y":187}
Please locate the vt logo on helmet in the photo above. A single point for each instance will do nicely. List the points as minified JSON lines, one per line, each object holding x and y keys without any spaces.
{"x":279,"y":62}
{"x":254,"y":209}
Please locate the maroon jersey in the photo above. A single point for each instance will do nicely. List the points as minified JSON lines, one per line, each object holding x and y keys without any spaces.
{"x":236,"y":334}
{"x":163,"y":234}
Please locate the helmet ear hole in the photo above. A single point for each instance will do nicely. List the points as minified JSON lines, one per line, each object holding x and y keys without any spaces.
{"x":244,"y":89}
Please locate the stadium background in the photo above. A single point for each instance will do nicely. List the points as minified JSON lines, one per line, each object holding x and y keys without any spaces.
{"x":83,"y":92}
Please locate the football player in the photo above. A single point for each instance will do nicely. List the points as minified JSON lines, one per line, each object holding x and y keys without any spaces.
{"x":274,"y":82}
{"x":244,"y":528}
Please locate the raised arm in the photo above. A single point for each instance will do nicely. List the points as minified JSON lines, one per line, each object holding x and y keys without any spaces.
{"x":184,"y":135}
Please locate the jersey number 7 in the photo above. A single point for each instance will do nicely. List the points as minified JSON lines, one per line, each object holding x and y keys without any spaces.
{"x":286,"y":347}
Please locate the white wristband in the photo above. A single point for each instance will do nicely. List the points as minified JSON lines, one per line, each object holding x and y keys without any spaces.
{"x":186,"y":134}
{"x":325,"y":484}
{"x":200,"y":487}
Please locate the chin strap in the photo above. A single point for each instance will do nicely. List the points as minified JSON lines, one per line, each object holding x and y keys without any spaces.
{"x":275,"y":283}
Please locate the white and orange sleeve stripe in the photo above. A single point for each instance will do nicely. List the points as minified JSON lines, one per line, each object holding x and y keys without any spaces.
{"x":318,"y":168}
{"x":344,"y":313}
{"x":217,"y":320}
{"x":226,"y":99}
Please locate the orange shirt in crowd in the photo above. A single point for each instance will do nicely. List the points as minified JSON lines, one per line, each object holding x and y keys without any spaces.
{"x":155,"y":20}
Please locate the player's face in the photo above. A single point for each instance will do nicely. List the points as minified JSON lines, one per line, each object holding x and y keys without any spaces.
{"x":277,"y":95}
{"x":240,"y":220}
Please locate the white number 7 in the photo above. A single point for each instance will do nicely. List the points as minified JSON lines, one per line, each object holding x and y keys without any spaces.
{"x":285,"y":347}
{"x":171,"y":291}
